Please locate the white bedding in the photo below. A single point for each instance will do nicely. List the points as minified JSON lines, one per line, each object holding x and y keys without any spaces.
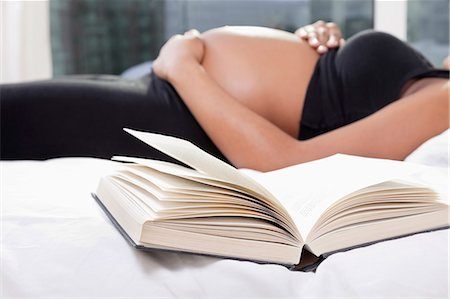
{"x":56,"y":242}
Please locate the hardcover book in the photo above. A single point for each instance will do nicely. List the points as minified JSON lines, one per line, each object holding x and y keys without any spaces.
{"x":293,"y":216}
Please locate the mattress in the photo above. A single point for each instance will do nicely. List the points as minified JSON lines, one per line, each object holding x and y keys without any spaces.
{"x":56,"y":242}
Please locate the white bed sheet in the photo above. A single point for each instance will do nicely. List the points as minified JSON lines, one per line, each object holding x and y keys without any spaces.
{"x":56,"y":242}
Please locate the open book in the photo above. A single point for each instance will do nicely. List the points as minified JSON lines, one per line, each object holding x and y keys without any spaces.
{"x":212,"y":208}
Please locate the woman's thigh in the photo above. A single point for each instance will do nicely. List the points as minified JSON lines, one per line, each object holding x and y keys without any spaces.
{"x":80,"y":116}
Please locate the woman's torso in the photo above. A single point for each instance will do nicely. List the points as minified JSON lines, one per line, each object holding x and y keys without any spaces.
{"x":267,"y":70}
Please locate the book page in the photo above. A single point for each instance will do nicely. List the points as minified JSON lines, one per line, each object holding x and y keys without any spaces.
{"x":201,"y":161}
{"x":308,"y":189}
{"x":171,"y":177}
{"x":193,"y":156}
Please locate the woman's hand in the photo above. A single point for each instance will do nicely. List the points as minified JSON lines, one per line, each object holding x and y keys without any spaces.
{"x":322,"y":36}
{"x":178,"y":53}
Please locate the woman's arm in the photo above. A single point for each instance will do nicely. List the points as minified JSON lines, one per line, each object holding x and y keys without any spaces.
{"x":244,"y":137}
{"x":392,"y":132}
{"x":250,"y":141}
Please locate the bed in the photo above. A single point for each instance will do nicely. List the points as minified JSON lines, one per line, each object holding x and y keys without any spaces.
{"x":56,"y":242}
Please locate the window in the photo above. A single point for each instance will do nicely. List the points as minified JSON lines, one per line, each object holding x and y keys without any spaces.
{"x":351,"y":15}
{"x":108,"y":36}
{"x":428,"y":28}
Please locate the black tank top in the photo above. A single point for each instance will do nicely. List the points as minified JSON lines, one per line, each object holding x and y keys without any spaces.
{"x":359,"y":79}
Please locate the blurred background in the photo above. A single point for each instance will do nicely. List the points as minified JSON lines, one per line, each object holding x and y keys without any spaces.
{"x":46,"y":38}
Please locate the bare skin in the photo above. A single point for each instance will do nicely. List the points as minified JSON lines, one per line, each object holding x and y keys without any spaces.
{"x":234,"y":82}
{"x":245,"y":63}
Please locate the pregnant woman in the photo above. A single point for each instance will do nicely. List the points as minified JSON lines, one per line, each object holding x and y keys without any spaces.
{"x":256,"y":97}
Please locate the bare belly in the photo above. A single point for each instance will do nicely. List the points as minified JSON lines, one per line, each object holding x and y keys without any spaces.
{"x":267,"y":70}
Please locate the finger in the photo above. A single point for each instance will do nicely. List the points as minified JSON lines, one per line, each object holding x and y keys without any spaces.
{"x":309,"y":29}
{"x":313,"y":40}
{"x":332,"y":42}
{"x":333,"y":27}
{"x":341,"y":42}
{"x":175,"y":37}
{"x":321,"y":32}
{"x":335,"y":35}
{"x":311,"y":35}
{"x":322,"y":35}
{"x":322,"y":49}
{"x":319,"y":23}
{"x":302,"y":33}
{"x":192,"y":32}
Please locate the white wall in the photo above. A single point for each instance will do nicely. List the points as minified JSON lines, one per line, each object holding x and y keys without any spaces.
{"x":390,"y":16}
{"x":24,"y":40}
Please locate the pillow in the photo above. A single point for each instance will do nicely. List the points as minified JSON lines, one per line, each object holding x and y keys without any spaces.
{"x":433,"y":152}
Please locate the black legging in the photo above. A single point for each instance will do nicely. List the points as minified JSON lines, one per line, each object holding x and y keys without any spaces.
{"x":83,"y":116}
